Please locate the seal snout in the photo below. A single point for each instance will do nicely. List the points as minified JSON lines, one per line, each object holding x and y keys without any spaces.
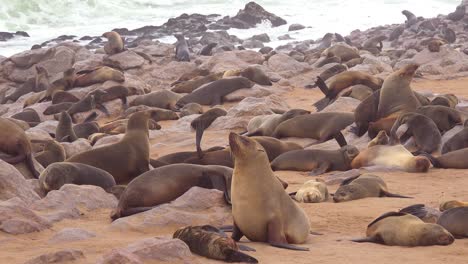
{"x":446,"y":239}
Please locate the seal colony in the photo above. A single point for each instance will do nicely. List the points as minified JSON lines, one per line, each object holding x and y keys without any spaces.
{"x":129,"y":118}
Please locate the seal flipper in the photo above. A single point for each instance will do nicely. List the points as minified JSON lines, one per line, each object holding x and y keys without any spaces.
{"x":394,"y":195}
{"x":322,"y":86}
{"x":13,"y":159}
{"x":132,"y":211}
{"x":103,"y":109}
{"x":321,"y":104}
{"x":245,"y":248}
{"x":340,"y":139}
{"x":418,"y":210}
{"x":30,"y":164}
{"x":277,"y":238}
{"x":90,"y":117}
{"x":321,"y":169}
{"x":219,"y":183}
{"x":237,"y":256}
{"x":374,"y":239}
{"x":199,"y":129}
{"x":349,"y":180}
{"x":236,"y":232}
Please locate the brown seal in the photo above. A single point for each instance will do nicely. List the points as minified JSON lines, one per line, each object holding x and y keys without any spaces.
{"x":455,"y":220}
{"x":312,"y":191}
{"x":435,"y":44}
{"x":28,"y":115}
{"x":64,"y":97}
{"x":449,"y":100}
{"x":62,"y":84}
{"x":117,"y":92}
{"x":98,"y":75}
{"x":336,"y":84}
{"x":343,"y":51}
{"x":391,"y":156}
{"x":208,"y":49}
{"x":13,"y":141}
{"x":423,"y":212}
{"x":316,"y":161}
{"x":279,"y":222}
{"x":457,"y":159}
{"x":60,"y":173}
{"x":120,"y":126}
{"x":165,"y":184}
{"x":458,"y":141}
{"x":34,"y":98}
{"x":400,"y":229}
{"x":444,"y":206}
{"x":366,"y":112}
{"x":256,"y":75}
{"x":159,"y":114}
{"x":266,"y":125}
{"x":202,"y":122}
{"x":87,"y":103}
{"x":135,"y":144}
{"x":396,"y":94}
{"x":332,"y":71}
{"x":190,"y":75}
{"x":213,"y":93}
{"x":363,"y":186}
{"x":210,"y":242}
{"x":359,"y":92}
{"x":197,"y":82}
{"x":84,"y":130}
{"x":182,"y":52}
{"x":411,"y":19}
{"x":179,"y":157}
{"x":163,"y":99}
{"x":38,"y":83}
{"x":191,"y":109}
{"x":424,"y":131}
{"x":64,"y":131}
{"x":383,"y":124}
{"x":444,"y":117}
{"x":374,"y":45}
{"x":114,"y":43}
{"x":319,"y":126}
{"x":381,"y":139}
{"x":57,"y":108}
{"x":53,"y":152}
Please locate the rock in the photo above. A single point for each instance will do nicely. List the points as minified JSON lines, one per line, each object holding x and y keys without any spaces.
{"x":342,"y":104}
{"x":124,"y":60}
{"x":239,"y":95}
{"x":71,"y":235}
{"x":222,"y":38}
{"x":16,"y":219}
{"x":48,"y":126}
{"x":60,"y":256}
{"x":120,"y":256}
{"x":37,"y":134}
{"x":91,"y":62}
{"x":76,"y":147}
{"x":261,"y":37}
{"x":36,"y":186}
{"x":253,"y":14}
{"x":294,"y":27}
{"x":252,"y":44}
{"x":153,"y":249}
{"x":28,"y":58}
{"x":13,"y":184}
{"x":285,"y":37}
{"x":265,"y":50}
{"x":232,"y":60}
{"x":197,"y":206}
{"x":286,"y":66}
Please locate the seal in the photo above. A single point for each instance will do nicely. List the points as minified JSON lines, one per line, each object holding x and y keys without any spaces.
{"x":332,"y":71}
{"x":319,"y":126}
{"x":383,"y":124}
{"x":163,"y":99}
{"x":117,"y":92}
{"x":275,"y":147}
{"x":57,"y":108}
{"x":84,"y":130}
{"x":213,"y":93}
{"x":135,"y":144}
{"x":13,"y":141}
{"x":159,"y":114}
{"x":210,"y":242}
{"x":87,"y":103}
{"x":435,"y":44}
{"x":396,"y":94}
{"x":179,"y":157}
{"x":181,"y":51}
{"x":341,"y":81}
{"x":458,"y":14}
{"x":396,"y":33}
{"x":266,"y":125}
{"x":120,"y":126}
{"x":114,"y":43}
{"x":64,"y":131}
{"x":208,"y":49}
{"x":98,"y":75}
{"x":425,"y":213}
{"x":256,"y":75}
{"x":391,"y":156}
{"x":34,"y":98}
{"x":444,"y":117}
{"x":38,"y":83}
{"x":316,"y":161}
{"x":63,"y":97}
{"x":455,"y":220}
{"x":191,"y":109}
{"x":62,"y":84}
{"x":167,"y":183}
{"x":60,"y":173}
{"x":365,"y":113}
{"x":449,"y":100}
{"x":279,"y":221}
{"x":361,"y":187}
{"x":204,"y":121}
{"x":400,"y":229}
{"x":53,"y":152}
{"x":330,"y":58}
{"x":190,"y":75}
{"x":411,"y":19}
{"x":381,"y":139}
{"x":424,"y":131}
{"x":374,"y":45}
{"x":444,"y":206}
{"x":359,"y":92}
{"x":342,"y":51}
{"x":312,"y":191}
{"x":191,"y":85}
{"x":457,"y":159}
{"x":28,"y":115}
{"x":458,"y":141}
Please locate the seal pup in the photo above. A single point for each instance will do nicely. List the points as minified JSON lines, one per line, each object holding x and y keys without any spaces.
{"x":64,"y":131}
{"x":261,"y":209}
{"x":135,"y":146}
{"x":179,"y":157}
{"x":212,"y":94}
{"x":444,"y":117}
{"x":62,"y":84}
{"x":400,"y":229}
{"x":319,"y":126}
{"x":13,"y":141}
{"x":374,"y":45}
{"x":383,"y":124}
{"x":444,"y":206}
{"x":424,"y":131}
{"x":210,"y":242}
{"x":363,"y":186}
{"x":266,"y":125}
{"x":197,"y":82}
{"x":312,"y":191}
{"x":63,"y":97}
{"x":190,"y":75}
{"x":342,"y":51}
{"x":204,"y":121}
{"x":391,"y":156}
{"x":457,"y":159}
{"x":181,"y":51}
{"x":455,"y":220}
{"x":162,"y":99}
{"x":191,"y":109}
{"x":28,"y":115}
{"x":167,"y":183}
{"x":316,"y":161}
{"x":53,"y":152}
{"x":86,"y":129}
{"x":365,"y":113}
{"x":114,"y":43}
{"x":60,"y":173}
{"x":449,"y":100}
{"x":207,"y":50}
{"x":396,"y":94}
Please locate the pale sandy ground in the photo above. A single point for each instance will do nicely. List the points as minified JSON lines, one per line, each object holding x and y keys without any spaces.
{"x":335,"y":221}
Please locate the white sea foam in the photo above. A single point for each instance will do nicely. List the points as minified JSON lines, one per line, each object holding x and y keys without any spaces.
{"x":47,"y":19}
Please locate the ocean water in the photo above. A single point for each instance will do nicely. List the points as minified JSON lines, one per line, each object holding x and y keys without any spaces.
{"x":47,"y":19}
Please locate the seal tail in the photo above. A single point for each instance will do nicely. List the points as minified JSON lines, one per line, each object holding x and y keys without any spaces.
{"x":432,"y":159}
{"x":394,"y":195}
{"x":366,"y":240}
{"x":237,"y":256}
